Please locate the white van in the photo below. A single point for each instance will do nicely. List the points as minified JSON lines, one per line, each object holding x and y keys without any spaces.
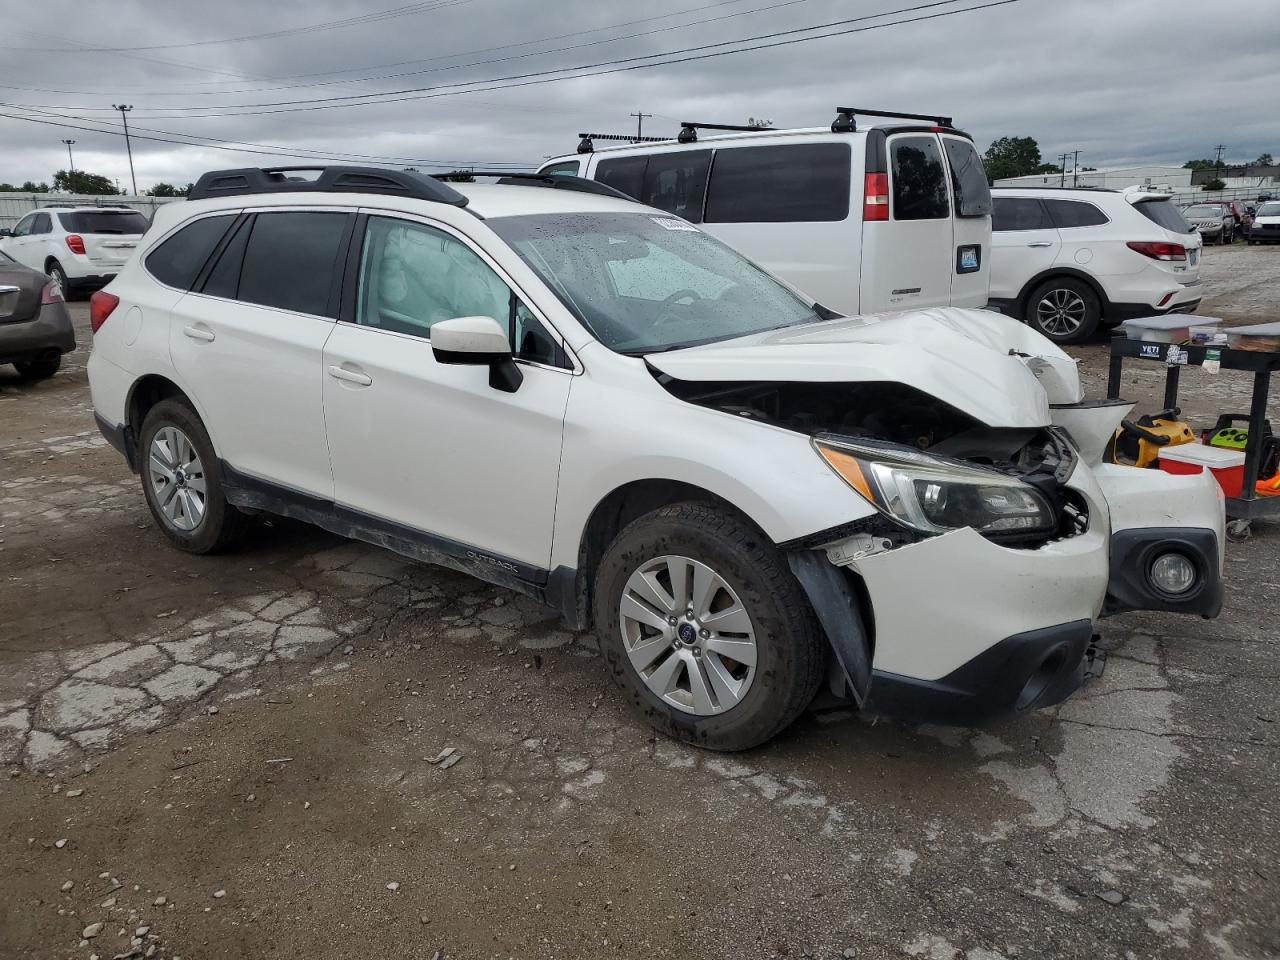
{"x":863,"y":217}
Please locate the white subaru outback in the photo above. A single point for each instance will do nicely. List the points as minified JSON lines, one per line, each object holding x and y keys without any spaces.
{"x":599,"y":405}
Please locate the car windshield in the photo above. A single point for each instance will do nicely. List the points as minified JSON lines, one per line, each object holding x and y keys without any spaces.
{"x":1269,"y":210}
{"x":645,"y":283}
{"x":1203,"y":210}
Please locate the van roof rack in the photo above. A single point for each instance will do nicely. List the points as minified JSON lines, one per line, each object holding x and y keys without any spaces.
{"x":845,"y":122}
{"x":689,"y":129}
{"x":340,"y":179}
{"x":585,"y":145}
{"x":556,"y":181}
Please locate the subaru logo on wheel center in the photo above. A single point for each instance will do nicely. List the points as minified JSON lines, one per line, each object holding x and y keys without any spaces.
{"x":687,"y":633}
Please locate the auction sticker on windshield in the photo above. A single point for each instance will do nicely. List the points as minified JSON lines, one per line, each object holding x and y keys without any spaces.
{"x":669,"y":224}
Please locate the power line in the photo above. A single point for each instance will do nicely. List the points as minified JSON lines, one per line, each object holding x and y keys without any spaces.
{"x":623,"y":65}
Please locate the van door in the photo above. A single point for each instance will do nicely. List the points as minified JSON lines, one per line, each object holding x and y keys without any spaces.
{"x":908,"y":259}
{"x":971,"y":225}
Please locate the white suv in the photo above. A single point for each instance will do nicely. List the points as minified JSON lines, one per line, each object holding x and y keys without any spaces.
{"x":80,"y":247}
{"x":1066,"y":260}
{"x":601,"y":406}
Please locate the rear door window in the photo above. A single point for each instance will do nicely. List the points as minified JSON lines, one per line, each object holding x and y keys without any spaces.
{"x":1019,"y":213}
{"x":796,"y":183}
{"x":291,"y":260}
{"x":179,"y":259}
{"x":968,"y":178}
{"x":105,"y":221}
{"x":1163,"y":214}
{"x":677,"y":182}
{"x":1074,"y":213}
{"x":623,"y":173}
{"x":919,"y":179}
{"x":43,"y":224}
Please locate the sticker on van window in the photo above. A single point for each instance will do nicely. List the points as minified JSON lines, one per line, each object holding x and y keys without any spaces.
{"x":667,"y":223}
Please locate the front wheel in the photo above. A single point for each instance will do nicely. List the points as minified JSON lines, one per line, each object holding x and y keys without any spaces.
{"x":705,"y":629}
{"x":181,"y":481}
{"x":1064,"y":309}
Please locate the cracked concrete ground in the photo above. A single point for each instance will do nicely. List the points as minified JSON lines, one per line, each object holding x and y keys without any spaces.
{"x":262,"y":726}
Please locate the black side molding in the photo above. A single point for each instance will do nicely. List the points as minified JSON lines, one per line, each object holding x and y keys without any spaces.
{"x":121,"y":438}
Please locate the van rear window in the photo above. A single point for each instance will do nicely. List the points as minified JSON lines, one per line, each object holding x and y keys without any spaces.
{"x":968,"y":178}
{"x":796,"y":183}
{"x":919,"y":183}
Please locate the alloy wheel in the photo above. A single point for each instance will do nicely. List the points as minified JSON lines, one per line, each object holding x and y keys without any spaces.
{"x":1060,"y":312}
{"x":688,"y":635}
{"x":177,"y":479}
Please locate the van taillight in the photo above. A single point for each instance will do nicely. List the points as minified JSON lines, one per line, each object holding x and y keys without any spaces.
{"x":75,"y":243}
{"x":100,"y":306}
{"x":875,"y":197}
{"x":52,"y":293}
{"x":1158,"y":249}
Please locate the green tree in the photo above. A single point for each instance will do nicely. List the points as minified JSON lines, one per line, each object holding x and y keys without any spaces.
{"x":82,"y":181}
{"x":167,"y":190}
{"x":459,"y":176}
{"x":30,"y":187}
{"x":1200,"y":165}
{"x":1214,"y":184}
{"x":8,"y":188}
{"x":1014,"y":157}
{"x":1264,"y":161}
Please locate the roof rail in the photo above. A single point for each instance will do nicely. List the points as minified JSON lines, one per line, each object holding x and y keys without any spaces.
{"x":845,"y":123}
{"x":689,"y":129}
{"x":586,"y":146}
{"x":250,"y":180}
{"x":556,"y":181}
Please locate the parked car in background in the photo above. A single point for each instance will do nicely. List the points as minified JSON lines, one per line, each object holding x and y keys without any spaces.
{"x":1242,"y":214}
{"x":879,"y":214}
{"x":1266,"y":223}
{"x":80,"y":247}
{"x":1214,"y":221}
{"x":1065,"y":260}
{"x":600,"y":405}
{"x":35,"y":328}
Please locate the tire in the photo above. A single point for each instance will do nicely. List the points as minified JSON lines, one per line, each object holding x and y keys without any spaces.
{"x":753,"y":578}
{"x":216,"y":524}
{"x":1064,"y":309}
{"x":55,"y":272}
{"x":38,"y":369}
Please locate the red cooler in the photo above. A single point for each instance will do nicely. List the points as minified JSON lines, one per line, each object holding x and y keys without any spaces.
{"x":1227,"y":466}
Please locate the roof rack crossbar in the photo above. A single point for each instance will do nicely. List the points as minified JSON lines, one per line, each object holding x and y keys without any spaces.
{"x":586,"y":146}
{"x":557,"y":181}
{"x":845,"y":123}
{"x":331,"y":179}
{"x":689,"y":129}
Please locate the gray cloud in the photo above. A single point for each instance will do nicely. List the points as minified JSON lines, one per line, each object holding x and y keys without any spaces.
{"x":1119,"y":81}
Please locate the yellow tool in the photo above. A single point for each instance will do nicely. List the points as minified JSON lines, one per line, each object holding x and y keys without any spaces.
{"x":1139,"y":444}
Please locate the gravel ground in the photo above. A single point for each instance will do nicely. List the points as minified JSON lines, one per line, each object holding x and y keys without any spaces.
{"x":233,"y":757}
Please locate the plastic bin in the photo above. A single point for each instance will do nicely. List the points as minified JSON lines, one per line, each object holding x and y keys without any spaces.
{"x":1227,"y":466}
{"x":1170,"y":328}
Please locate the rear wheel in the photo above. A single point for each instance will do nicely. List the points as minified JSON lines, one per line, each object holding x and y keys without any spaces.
{"x":41,"y":369}
{"x":181,"y":482}
{"x":1064,"y":309}
{"x":58,"y":276}
{"x":705,"y":629}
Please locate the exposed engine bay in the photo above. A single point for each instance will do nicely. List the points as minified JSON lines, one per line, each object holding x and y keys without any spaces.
{"x":899,"y":414}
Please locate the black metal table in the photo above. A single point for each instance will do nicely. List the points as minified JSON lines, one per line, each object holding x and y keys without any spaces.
{"x":1248,"y":506}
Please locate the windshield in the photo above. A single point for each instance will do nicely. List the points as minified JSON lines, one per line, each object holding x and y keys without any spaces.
{"x":1204,"y":210}
{"x":104,"y":221}
{"x":1164,"y":214}
{"x":643,"y":283}
{"x":1269,"y":210}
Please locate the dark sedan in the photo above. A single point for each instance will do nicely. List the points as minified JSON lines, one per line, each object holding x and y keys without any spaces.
{"x":35,"y":328}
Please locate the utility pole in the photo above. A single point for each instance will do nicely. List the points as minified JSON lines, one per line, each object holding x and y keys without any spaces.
{"x":1217,"y":167}
{"x":1075,"y":170}
{"x":640,"y":118}
{"x":1062,"y":159}
{"x":71,"y":167}
{"x":124,"y":109}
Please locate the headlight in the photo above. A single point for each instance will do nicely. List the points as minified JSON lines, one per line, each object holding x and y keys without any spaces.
{"x":936,"y":495}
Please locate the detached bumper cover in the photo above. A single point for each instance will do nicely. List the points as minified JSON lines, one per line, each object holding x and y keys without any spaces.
{"x":1023,"y":672}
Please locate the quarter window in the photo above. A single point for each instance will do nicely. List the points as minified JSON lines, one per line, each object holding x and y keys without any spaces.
{"x":676,"y":182}
{"x":1074,"y":213}
{"x":568,"y":167}
{"x":291,"y":259}
{"x":919,"y":180}
{"x":179,"y":259}
{"x":1019,"y":213}
{"x":799,"y":183}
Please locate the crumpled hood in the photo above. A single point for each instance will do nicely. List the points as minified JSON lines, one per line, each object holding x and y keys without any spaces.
{"x":992,"y":367}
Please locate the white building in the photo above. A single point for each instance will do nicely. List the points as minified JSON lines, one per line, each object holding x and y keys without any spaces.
{"x":1174,"y":178}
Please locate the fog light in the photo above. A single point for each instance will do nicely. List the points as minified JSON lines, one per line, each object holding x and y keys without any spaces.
{"x":1173,"y":573}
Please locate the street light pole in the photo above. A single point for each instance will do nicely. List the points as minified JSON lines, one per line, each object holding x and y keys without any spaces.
{"x":124,"y":109}
{"x":71,"y":167}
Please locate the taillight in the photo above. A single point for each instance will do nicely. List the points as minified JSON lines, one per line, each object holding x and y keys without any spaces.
{"x":100,"y":306}
{"x":75,"y":243}
{"x":52,"y":293}
{"x":1158,"y":249}
{"x":875,"y":197}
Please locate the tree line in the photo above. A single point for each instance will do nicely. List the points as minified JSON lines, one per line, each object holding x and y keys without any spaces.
{"x":1020,"y":157}
{"x":89,"y":184}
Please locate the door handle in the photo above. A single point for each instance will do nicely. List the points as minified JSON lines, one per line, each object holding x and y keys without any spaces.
{"x":1041,"y":243}
{"x":199,"y":333}
{"x":350,"y":376}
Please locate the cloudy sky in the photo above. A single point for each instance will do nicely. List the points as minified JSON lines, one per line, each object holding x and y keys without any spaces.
{"x":1120,"y":80}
